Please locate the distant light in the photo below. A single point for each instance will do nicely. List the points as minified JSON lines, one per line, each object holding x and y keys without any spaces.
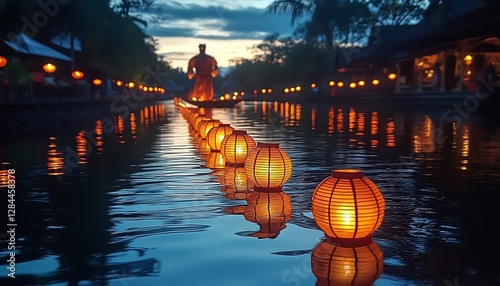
{"x":286,"y":90}
{"x":119,"y":83}
{"x":392,"y":76}
{"x":298,"y":88}
{"x":263,"y":90}
{"x":340,"y":84}
{"x":150,"y":89}
{"x":242,"y":93}
{"x":269,"y":90}
{"x":48,"y":68}
{"x":77,"y":74}
{"x":221,"y":97}
{"x":331,"y":83}
{"x":3,"y":62}
{"x":235,"y":93}
{"x":292,"y":89}
{"x":375,"y":82}
{"x":131,"y":85}
{"x":235,"y":97}
{"x":361,"y":83}
{"x":97,"y":81}
{"x":313,"y":85}
{"x":352,"y":85}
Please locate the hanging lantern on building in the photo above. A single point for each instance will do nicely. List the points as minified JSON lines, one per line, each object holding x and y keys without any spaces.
{"x":49,"y":68}
{"x":347,"y":266}
{"x":77,"y":75}
{"x":217,"y":134}
{"x":271,"y":211}
{"x":236,"y":146}
{"x":268,"y":167}
{"x":97,"y":81}
{"x":348,"y":206}
{"x":3,"y":62}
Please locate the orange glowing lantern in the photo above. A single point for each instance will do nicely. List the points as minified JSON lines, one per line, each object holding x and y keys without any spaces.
{"x":271,"y":210}
{"x":313,"y":85}
{"x":268,"y":166}
{"x":97,"y":81}
{"x":145,"y":89}
{"x":205,"y":126}
{"x":3,"y":62}
{"x":298,"y":88}
{"x":392,"y":76}
{"x":131,"y":85}
{"x":348,"y":206}
{"x":119,"y":83}
{"x":340,"y":84}
{"x":353,"y":85}
{"x":347,"y":266}
{"x":361,"y":83}
{"x":375,"y":82}
{"x":331,"y":83}
{"x":49,"y":68}
{"x":217,"y":134}
{"x":286,"y":90}
{"x":236,"y":146}
{"x":77,"y":75}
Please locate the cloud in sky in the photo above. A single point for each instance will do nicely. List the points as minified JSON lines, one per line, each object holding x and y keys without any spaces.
{"x":218,"y":21}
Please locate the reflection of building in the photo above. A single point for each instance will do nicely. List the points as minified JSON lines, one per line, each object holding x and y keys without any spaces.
{"x":346,"y":266}
{"x":270,"y":210}
{"x":423,"y":138}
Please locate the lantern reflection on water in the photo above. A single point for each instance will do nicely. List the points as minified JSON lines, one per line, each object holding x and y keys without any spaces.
{"x":215,"y":161}
{"x":235,"y":181}
{"x":347,"y":205}
{"x":270,"y":210}
{"x":81,"y":147}
{"x":235,"y":147}
{"x":98,"y":136}
{"x":4,"y":174}
{"x":268,"y":166}
{"x":55,"y":159}
{"x":346,"y":266}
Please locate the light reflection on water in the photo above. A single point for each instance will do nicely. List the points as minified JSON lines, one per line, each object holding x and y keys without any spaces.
{"x":143,"y":201}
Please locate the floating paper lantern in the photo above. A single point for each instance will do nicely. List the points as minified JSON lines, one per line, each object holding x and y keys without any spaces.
{"x":77,"y":74}
{"x":347,"y":205}
{"x":49,"y":68}
{"x":235,"y":147}
{"x":270,"y":210}
{"x":347,"y":266}
{"x":3,"y":62}
{"x":268,"y":167}
{"x":217,"y":134}
{"x":205,"y":125}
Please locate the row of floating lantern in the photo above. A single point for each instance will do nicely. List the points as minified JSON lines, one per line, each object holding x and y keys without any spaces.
{"x":347,"y":206}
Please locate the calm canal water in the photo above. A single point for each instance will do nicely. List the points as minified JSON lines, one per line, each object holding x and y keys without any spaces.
{"x":134,"y":202}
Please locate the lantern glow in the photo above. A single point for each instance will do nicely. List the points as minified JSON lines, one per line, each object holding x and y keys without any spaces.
{"x":77,"y":74}
{"x":97,"y":81}
{"x":3,"y":62}
{"x":392,"y":76}
{"x":49,"y":68}
{"x":268,"y":167}
{"x":205,"y":125}
{"x":347,"y":205}
{"x":217,"y":134}
{"x":236,"y":146}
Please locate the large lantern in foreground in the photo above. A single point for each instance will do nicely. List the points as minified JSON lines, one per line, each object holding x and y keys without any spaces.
{"x":348,"y":206}
{"x":235,"y":147}
{"x":217,"y":134}
{"x":347,"y":266}
{"x":268,"y":167}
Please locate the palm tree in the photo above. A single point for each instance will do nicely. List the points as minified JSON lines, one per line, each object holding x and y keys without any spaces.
{"x":322,"y":15}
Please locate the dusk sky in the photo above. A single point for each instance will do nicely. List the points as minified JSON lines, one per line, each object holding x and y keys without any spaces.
{"x":228,"y":28}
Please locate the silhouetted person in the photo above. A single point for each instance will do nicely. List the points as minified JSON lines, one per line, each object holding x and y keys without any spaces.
{"x":206,"y":69}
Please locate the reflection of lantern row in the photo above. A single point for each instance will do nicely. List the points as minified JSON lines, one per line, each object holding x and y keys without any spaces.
{"x":268,"y":167}
{"x":202,"y":147}
{"x":81,"y":147}
{"x":98,"y":137}
{"x":347,"y":205}
{"x":133,"y":126}
{"x":331,"y":120}
{"x":346,"y":266}
{"x":340,"y":121}
{"x":4,"y":174}
{"x":352,"y":119}
{"x":270,"y":210}
{"x":216,"y":134}
{"x":236,"y":146}
{"x":236,"y":184}
{"x":361,"y":124}
{"x":215,"y":161}
{"x":55,"y":159}
{"x":391,"y":141}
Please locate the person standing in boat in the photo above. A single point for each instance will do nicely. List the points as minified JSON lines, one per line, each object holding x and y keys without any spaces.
{"x":206,"y":69}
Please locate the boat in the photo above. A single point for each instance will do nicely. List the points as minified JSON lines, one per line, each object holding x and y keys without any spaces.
{"x":214,"y":103}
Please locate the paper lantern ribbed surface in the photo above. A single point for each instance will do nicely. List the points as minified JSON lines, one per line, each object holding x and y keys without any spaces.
{"x":217,"y":134}
{"x":268,"y":166}
{"x":235,"y":147}
{"x":347,"y":266}
{"x":270,"y":210}
{"x":347,"y":205}
{"x":205,"y":126}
